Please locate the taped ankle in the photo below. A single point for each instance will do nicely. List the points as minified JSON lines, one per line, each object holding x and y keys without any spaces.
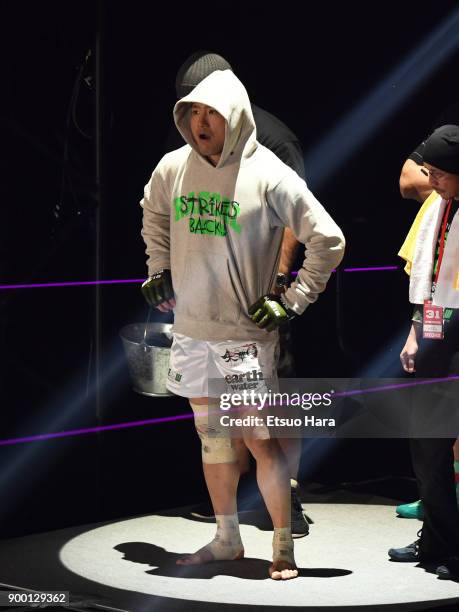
{"x":283,"y":545}
{"x":227,"y":543}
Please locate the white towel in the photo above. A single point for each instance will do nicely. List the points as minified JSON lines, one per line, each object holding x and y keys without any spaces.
{"x":445,"y":294}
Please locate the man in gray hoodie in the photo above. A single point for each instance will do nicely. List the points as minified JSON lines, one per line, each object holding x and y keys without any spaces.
{"x":214,"y":215}
{"x":278,"y":138}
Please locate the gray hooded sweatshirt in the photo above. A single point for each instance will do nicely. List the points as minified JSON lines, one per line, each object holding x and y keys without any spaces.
{"x":219,"y":228}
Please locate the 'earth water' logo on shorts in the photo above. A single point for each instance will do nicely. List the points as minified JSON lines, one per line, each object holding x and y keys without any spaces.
{"x":245,"y":380}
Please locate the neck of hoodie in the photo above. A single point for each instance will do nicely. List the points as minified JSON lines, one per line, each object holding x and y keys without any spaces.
{"x":214,"y":159}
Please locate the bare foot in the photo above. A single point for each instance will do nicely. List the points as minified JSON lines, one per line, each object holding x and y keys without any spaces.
{"x":204,"y":555}
{"x":282,"y":570}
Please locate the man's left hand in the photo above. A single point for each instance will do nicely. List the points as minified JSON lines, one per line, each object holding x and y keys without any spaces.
{"x":270,"y":313}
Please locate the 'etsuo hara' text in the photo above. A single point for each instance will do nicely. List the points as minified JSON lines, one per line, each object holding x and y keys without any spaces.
{"x":274,"y":421}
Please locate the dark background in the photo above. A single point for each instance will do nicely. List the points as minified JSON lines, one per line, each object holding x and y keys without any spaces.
{"x":309,"y":64}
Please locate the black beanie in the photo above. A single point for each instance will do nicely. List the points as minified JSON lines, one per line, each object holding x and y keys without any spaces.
{"x":441,"y":149}
{"x":196,"y":68}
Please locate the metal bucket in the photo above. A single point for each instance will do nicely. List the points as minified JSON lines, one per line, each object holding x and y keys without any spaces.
{"x":147,"y":347}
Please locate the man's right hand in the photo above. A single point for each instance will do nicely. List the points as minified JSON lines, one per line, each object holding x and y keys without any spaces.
{"x":158,"y":290}
{"x":408,"y":354}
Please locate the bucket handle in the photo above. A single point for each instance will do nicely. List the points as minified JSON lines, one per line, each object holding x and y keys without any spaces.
{"x":144,"y":339}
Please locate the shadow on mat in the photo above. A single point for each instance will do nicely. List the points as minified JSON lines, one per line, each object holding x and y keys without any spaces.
{"x":247,"y":568}
{"x":431,"y":568}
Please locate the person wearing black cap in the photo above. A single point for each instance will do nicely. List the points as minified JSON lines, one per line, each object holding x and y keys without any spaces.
{"x":434,"y":287}
{"x":414,"y":179}
{"x":278,"y":138}
{"x":415,"y":185}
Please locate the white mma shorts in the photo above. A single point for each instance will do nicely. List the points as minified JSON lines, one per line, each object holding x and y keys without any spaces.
{"x":244,"y":365}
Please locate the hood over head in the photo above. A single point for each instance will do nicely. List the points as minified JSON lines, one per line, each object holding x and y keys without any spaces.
{"x":223,"y":91}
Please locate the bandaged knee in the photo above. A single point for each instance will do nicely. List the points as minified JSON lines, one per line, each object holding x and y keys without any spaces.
{"x":216,"y":444}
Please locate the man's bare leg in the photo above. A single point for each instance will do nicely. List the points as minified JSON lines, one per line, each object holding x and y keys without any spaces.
{"x":221,"y":480}
{"x":273,"y":480}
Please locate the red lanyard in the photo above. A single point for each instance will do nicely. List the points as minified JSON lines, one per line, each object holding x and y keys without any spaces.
{"x":442,"y":239}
